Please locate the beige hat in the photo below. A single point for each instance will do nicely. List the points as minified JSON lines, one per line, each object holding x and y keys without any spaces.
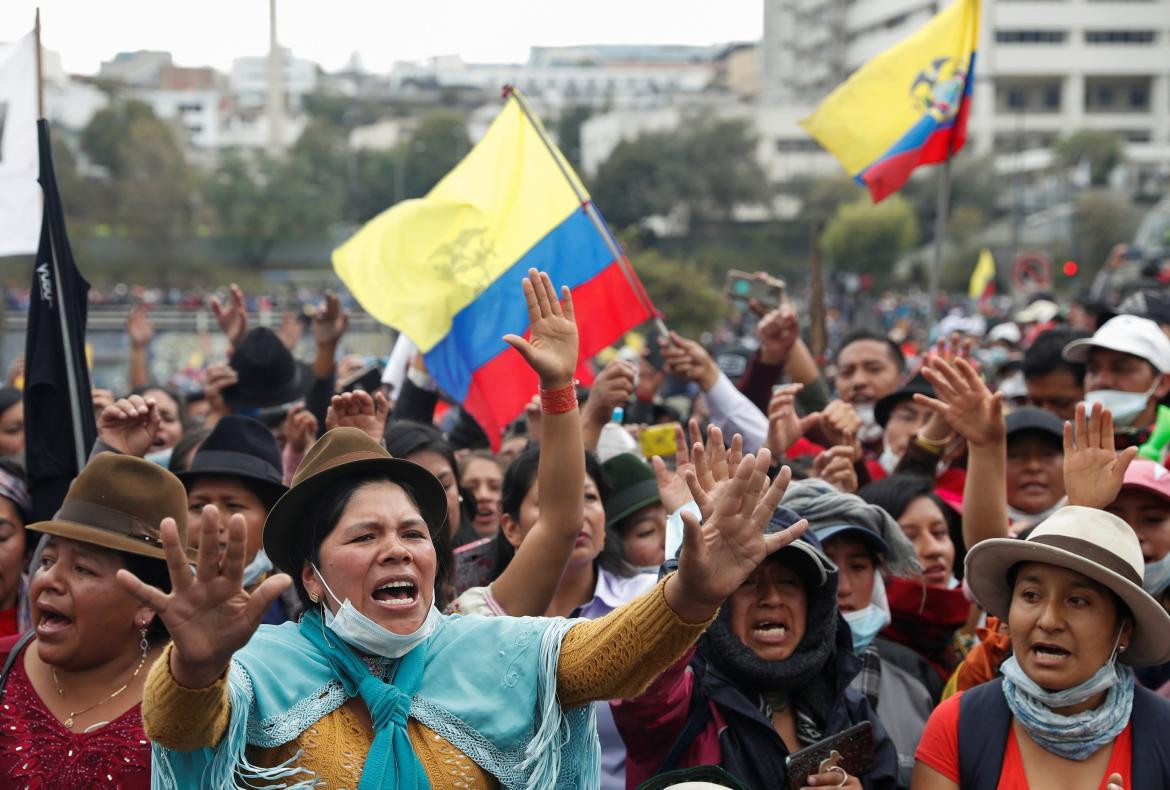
{"x":1091,"y":542}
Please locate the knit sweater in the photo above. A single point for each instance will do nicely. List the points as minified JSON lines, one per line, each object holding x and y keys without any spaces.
{"x":616,"y":656}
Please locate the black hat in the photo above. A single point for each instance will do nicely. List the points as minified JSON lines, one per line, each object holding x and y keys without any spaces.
{"x":633,"y":486}
{"x":269,"y":375}
{"x":240,"y":447}
{"x":885,"y":407}
{"x":1030,"y":418}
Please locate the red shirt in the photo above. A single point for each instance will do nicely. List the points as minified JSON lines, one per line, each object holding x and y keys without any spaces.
{"x":939,"y":749}
{"x":36,"y":751}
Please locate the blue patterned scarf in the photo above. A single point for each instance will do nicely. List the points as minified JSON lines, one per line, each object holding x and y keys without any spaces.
{"x":1081,"y":735}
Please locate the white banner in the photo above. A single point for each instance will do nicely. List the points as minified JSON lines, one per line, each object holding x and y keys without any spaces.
{"x":20,"y":194}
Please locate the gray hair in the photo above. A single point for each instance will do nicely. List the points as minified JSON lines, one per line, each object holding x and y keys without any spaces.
{"x":824,"y":506}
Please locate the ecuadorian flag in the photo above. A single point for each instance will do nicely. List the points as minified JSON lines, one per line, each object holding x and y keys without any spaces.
{"x":906,"y":107}
{"x":445,"y":269}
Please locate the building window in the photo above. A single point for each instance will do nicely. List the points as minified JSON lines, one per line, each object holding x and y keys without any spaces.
{"x":1139,"y":97}
{"x":1030,"y":36}
{"x":1052,"y":98}
{"x":1120,"y":36}
{"x":1016,"y":99}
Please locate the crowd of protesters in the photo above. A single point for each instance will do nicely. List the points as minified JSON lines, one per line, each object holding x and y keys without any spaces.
{"x":920,"y":562}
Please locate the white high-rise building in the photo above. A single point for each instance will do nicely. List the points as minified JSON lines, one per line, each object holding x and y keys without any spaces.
{"x":1045,"y":68}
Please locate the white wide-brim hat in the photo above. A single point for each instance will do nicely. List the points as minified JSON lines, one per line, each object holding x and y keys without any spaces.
{"x":1091,"y":542}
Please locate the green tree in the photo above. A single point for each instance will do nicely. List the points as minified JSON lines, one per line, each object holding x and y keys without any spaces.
{"x":436,"y":146}
{"x":640,"y":179}
{"x":568,"y":130}
{"x":104,"y":136}
{"x":1102,"y":219}
{"x":261,"y":201}
{"x":681,"y":290}
{"x":821,"y":196}
{"x":1103,"y":151}
{"x":863,"y":237}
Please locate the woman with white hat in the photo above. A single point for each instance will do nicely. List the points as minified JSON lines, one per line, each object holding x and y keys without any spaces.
{"x":1066,"y":712}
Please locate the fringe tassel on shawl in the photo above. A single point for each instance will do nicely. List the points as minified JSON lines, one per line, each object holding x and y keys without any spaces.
{"x":228,"y":761}
{"x":543,"y":755}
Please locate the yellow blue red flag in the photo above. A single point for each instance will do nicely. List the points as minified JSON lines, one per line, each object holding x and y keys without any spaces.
{"x":445,"y":269}
{"x":906,"y":107}
{"x":982,"y":282}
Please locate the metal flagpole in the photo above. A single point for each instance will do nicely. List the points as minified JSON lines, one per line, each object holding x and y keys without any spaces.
{"x":40,"y":67}
{"x":590,"y":209}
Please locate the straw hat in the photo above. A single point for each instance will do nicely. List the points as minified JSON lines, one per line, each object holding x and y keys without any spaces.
{"x":1091,"y":542}
{"x":340,"y":453}
{"x":118,"y":502}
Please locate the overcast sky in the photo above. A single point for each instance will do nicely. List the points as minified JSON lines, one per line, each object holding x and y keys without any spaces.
{"x":213,"y":32}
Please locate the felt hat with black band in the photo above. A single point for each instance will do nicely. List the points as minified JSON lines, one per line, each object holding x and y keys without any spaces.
{"x":118,"y":502}
{"x":341,"y":453}
{"x":885,"y":406}
{"x":1091,"y":542}
{"x":632,"y":487}
{"x":240,"y":447}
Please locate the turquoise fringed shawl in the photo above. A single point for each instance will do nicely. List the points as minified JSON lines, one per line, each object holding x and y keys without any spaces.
{"x":488,"y":687}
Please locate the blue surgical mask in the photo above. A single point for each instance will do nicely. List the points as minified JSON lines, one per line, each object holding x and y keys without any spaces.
{"x":865,"y":624}
{"x":1125,"y":406}
{"x":1102,"y":680}
{"x":369,"y":637}
{"x":1156,"y":577}
{"x":161,"y":457}
{"x":259,"y":566}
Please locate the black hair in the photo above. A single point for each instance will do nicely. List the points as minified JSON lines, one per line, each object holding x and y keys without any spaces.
{"x":325,"y":511}
{"x":1123,"y":611}
{"x":865,"y":334}
{"x":1044,"y":356}
{"x":185,"y":449}
{"x":405,"y":438}
{"x":519,"y":478}
{"x":894,"y":494}
{"x":154,"y":572}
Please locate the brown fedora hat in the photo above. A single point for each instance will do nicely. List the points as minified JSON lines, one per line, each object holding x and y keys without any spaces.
{"x":118,"y":502}
{"x":339,"y":453}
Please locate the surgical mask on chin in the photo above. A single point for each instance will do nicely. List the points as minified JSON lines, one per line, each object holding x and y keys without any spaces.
{"x":259,"y":566}
{"x":369,"y":637}
{"x":865,"y":624}
{"x":1157,"y":576}
{"x":161,"y":457}
{"x":1102,"y":680}
{"x":1125,"y":406}
{"x":889,"y":459}
{"x":870,"y":431}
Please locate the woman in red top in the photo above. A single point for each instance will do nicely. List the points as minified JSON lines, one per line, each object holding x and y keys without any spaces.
{"x":1065,"y":714}
{"x":70,"y":701}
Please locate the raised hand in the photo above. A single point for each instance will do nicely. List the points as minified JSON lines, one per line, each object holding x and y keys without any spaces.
{"x":101,"y":399}
{"x":715,"y":465}
{"x":291,"y":330}
{"x":722,"y":551}
{"x":778,"y":332}
{"x":300,"y":429}
{"x":613,"y":387}
{"x":784,"y":426}
{"x":964,"y":401}
{"x":209,"y":615}
{"x":232,"y":317}
{"x":330,"y":321}
{"x":672,"y":483}
{"x":838,"y":419}
{"x":836,"y":465}
{"x":551,"y":349}
{"x":688,"y":360}
{"x":139,"y":327}
{"x":358,"y":409}
{"x":129,"y":425}
{"x":216,"y":379}
{"x":1093,"y":470}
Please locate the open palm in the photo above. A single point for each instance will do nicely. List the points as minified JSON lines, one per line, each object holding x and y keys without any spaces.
{"x":209,"y":615}
{"x":551,"y":348}
{"x":964,"y":401}
{"x":1093,"y":470}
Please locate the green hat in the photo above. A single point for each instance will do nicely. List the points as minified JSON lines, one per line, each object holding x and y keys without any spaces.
{"x":632,"y":487}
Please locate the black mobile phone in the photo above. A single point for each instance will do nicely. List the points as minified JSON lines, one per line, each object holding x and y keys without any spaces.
{"x":369,"y":380}
{"x":850,"y":750}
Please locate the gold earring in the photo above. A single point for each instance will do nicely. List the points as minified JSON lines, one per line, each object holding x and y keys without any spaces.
{"x":313,"y":597}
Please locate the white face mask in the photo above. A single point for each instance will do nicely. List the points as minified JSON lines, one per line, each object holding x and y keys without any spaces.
{"x":889,"y":459}
{"x":870,"y":430}
{"x":259,"y":566}
{"x":366,"y":635}
{"x":866,"y":623}
{"x":1156,"y":577}
{"x":1125,"y":406}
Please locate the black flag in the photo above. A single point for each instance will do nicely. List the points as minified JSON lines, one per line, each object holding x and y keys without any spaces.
{"x":59,"y":423}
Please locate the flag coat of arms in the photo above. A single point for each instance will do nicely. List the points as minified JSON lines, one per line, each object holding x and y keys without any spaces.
{"x":445,"y":269}
{"x":906,"y":107}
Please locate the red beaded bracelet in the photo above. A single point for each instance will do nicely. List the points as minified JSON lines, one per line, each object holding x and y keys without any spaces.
{"x":560,"y":400}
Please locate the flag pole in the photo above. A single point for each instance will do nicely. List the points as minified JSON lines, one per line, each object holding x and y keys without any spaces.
{"x":940,"y":230}
{"x":589,"y":208}
{"x":40,"y":67}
